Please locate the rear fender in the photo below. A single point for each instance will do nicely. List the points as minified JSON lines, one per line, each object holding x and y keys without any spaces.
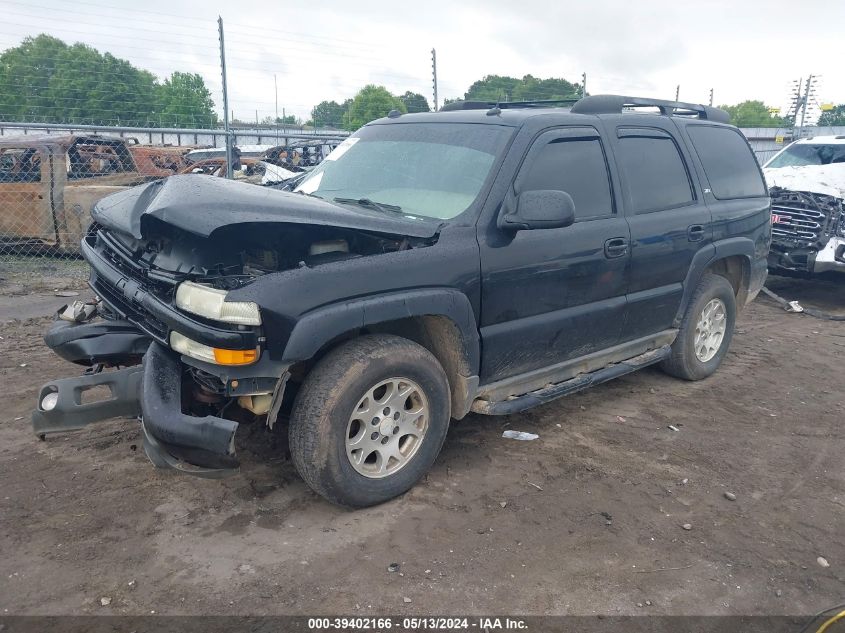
{"x":705,"y":257}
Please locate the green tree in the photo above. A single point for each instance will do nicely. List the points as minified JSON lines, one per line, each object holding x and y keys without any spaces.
{"x":185,"y":101}
{"x":529,"y":88}
{"x":46,"y":80}
{"x":327,"y":114}
{"x":290,"y":119}
{"x":833,"y":117}
{"x":415,"y":102}
{"x":371,"y":103}
{"x":753,"y":114}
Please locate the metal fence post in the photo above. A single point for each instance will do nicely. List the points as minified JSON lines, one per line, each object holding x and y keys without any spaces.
{"x":229,"y":152}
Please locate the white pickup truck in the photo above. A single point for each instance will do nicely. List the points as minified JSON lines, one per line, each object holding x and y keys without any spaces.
{"x":807,"y":183}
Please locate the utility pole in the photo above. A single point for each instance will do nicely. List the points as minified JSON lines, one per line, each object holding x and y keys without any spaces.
{"x":795,"y":103}
{"x":678,"y":92}
{"x":276,"y":86}
{"x":711,"y":96}
{"x":583,"y":84}
{"x":808,"y":92}
{"x":229,"y":152}
{"x":434,"y":75}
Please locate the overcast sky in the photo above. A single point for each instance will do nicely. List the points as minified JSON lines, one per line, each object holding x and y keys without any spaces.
{"x":330,"y":48}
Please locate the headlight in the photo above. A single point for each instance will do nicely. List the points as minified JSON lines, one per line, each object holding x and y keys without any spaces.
{"x":182,"y":344}
{"x":211,"y":303}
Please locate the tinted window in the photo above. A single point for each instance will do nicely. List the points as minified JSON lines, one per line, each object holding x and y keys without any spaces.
{"x":654,"y":173}
{"x":577,"y":167}
{"x":728,"y":162}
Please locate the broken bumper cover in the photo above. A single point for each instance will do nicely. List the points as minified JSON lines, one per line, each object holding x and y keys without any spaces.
{"x":98,"y":342}
{"x":831,"y":258}
{"x":199,"y":446}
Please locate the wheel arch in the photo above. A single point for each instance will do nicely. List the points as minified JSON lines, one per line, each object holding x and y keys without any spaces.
{"x":440,"y":320}
{"x":730,"y":258}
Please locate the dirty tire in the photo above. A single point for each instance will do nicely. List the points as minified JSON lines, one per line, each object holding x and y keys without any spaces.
{"x":331,"y":391}
{"x":683,"y":362}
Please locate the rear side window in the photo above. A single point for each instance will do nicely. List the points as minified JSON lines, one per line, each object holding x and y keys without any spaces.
{"x":577,"y":167}
{"x":20,"y":165}
{"x":654,"y":171}
{"x":728,"y":162}
{"x":88,"y":158}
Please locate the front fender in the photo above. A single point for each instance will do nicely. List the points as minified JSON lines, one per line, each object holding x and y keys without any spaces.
{"x":316,"y":328}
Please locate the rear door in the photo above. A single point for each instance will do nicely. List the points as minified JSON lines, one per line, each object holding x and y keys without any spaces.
{"x":26,"y":195}
{"x":668,"y":219}
{"x":736,"y":191}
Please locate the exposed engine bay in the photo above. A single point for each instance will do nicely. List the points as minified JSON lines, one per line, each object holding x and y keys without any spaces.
{"x":234,"y":256}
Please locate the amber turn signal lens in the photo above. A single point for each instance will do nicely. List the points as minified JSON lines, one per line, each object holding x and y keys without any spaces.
{"x":235,"y":356}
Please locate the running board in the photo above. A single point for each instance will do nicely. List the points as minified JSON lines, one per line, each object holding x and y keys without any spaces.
{"x":582,"y":381}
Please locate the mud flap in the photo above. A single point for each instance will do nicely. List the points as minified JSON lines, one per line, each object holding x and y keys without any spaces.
{"x":70,"y":412}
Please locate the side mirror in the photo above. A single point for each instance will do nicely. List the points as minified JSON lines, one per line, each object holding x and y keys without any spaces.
{"x":544,"y":209}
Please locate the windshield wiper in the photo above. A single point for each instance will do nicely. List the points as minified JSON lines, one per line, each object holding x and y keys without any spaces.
{"x":366,"y":202}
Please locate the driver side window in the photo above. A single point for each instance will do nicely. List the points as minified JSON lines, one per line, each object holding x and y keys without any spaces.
{"x":576,"y":166}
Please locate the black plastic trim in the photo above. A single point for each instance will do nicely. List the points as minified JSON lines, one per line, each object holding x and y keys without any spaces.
{"x":131,"y":300}
{"x":161,"y":407}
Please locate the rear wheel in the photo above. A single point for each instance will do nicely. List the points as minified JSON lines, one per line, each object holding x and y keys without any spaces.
{"x":369,"y":420}
{"x":706,"y":330}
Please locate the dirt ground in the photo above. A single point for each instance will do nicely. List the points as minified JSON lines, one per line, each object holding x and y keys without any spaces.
{"x":586,"y":519}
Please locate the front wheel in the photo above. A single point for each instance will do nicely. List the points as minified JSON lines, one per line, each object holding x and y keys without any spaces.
{"x":706,"y":330}
{"x":369,"y":420}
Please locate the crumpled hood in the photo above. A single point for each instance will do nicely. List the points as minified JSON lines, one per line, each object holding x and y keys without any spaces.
{"x":201,"y":204}
{"x":824,"y":179}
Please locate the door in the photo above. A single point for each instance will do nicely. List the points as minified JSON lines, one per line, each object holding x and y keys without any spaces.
{"x":550,"y":295}
{"x":668,"y":219}
{"x":25,"y":195}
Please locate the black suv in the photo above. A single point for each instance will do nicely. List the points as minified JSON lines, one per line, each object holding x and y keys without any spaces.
{"x":487,"y":258}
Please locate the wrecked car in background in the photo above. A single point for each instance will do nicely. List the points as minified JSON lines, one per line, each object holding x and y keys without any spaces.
{"x":807,"y":181}
{"x":284,"y":162}
{"x":48,"y":185}
{"x":487,"y":258}
{"x":300,"y":153}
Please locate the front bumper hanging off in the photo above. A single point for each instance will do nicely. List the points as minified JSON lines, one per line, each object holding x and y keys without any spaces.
{"x":201,"y":446}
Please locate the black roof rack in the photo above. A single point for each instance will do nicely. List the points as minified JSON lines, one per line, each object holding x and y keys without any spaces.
{"x":601,"y":104}
{"x":616,"y":104}
{"x":504,"y":105}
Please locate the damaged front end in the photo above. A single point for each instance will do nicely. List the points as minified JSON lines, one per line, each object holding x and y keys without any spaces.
{"x":808,"y":232}
{"x":169,"y":337}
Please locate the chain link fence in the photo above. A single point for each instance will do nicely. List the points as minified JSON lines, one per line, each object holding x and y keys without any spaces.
{"x":77,"y":124}
{"x":52,"y":176}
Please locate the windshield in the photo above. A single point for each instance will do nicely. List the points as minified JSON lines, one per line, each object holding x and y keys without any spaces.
{"x":434,"y":170}
{"x":800,"y":155}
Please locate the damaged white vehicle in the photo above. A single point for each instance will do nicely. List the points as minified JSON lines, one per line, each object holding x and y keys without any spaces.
{"x":807,"y":183}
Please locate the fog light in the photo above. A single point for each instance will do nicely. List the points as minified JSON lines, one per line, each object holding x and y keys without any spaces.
{"x":49,"y":402}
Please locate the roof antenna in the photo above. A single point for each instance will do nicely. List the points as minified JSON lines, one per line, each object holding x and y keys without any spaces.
{"x":495,"y":110}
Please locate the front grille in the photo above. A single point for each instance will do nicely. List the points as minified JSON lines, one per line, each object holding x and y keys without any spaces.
{"x":117,"y":298}
{"x":802,"y":218}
